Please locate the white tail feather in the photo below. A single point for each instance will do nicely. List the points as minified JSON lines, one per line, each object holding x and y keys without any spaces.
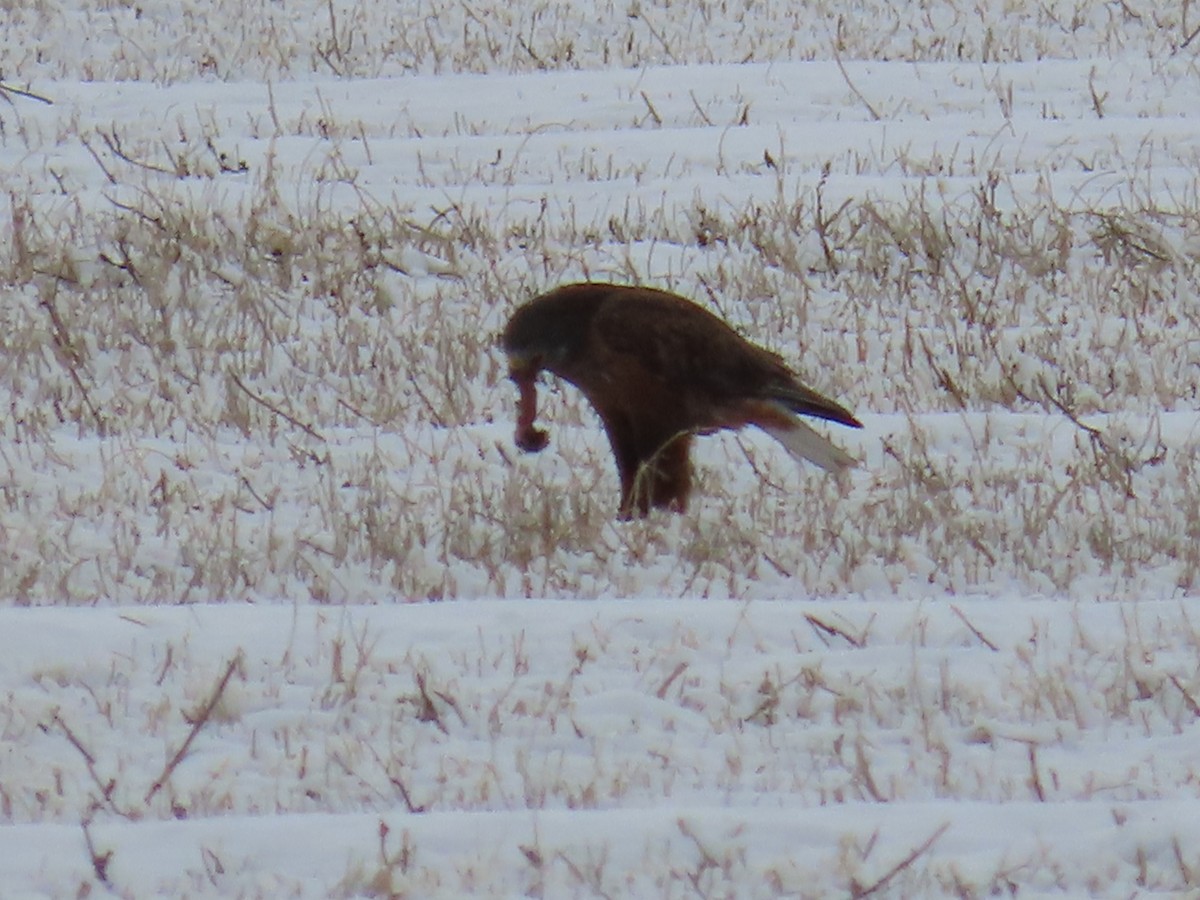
{"x":802,"y":442}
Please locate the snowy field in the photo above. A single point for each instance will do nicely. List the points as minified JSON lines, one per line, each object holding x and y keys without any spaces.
{"x":284,"y":612}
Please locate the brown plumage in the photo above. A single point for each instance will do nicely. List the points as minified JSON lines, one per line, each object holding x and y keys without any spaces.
{"x":659,"y":369}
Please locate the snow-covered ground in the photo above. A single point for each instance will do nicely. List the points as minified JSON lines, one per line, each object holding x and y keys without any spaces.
{"x":253,"y":424}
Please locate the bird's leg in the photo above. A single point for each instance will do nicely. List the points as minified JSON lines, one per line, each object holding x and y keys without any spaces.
{"x":663,"y":481}
{"x":672,"y":480}
{"x":528,"y":437}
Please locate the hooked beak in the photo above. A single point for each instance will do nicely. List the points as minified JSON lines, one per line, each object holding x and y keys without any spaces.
{"x":523,"y":366}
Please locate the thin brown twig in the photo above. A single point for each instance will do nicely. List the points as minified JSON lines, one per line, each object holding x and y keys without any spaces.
{"x":670,"y":679}
{"x":106,"y":788}
{"x":863,"y":767}
{"x":100,"y":861}
{"x":69,"y":355}
{"x":113,"y":142}
{"x":9,"y":89}
{"x":832,"y":630}
{"x":1035,"y":777}
{"x":699,"y":110}
{"x":112,"y":179}
{"x":658,"y":36}
{"x":653,"y":112}
{"x":837,"y":58}
{"x":975,"y":631}
{"x":1187,"y":698}
{"x":399,"y":784}
{"x":198,"y":722}
{"x":265,"y":404}
{"x":707,"y":859}
{"x":858,"y":890}
{"x":427,"y":711}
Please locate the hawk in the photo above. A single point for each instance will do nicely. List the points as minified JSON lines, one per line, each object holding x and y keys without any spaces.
{"x":658,"y":369}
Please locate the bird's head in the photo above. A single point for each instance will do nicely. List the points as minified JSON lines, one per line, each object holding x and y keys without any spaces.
{"x":547,"y":333}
